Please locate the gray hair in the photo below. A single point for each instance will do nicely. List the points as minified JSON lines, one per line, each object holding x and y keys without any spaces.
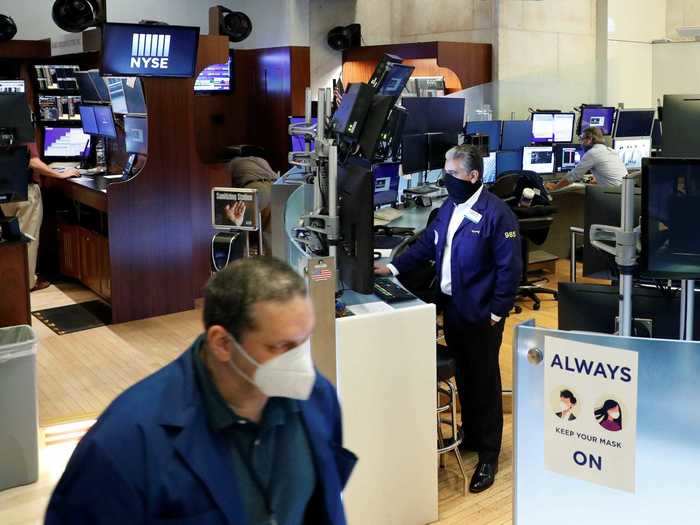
{"x":230,"y":294}
{"x":468,"y":156}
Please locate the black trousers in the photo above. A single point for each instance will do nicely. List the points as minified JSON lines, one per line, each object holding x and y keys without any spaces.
{"x":475,"y":348}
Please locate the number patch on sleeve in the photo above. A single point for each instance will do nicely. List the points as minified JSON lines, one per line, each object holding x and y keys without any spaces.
{"x":511,"y":234}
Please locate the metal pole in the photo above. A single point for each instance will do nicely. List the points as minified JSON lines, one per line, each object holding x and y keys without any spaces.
{"x":684,"y":301}
{"x":628,"y":256}
{"x":690,"y":310}
{"x":575,"y":230}
{"x":332,"y":189}
{"x":260,"y":235}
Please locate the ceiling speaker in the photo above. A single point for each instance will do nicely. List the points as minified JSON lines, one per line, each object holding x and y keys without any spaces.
{"x":8,"y":28}
{"x":235,"y":25}
{"x":345,"y":37}
{"x":75,"y":16}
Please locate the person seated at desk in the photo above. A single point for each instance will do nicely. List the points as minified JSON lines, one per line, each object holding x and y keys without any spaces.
{"x":602,"y":161}
{"x":30,"y":213}
{"x":239,"y":429}
{"x":255,"y":173}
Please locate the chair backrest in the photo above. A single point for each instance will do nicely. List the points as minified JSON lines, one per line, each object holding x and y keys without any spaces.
{"x":505,"y":185}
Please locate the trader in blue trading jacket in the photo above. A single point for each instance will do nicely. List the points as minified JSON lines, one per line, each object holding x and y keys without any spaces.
{"x":475,"y":243}
{"x":239,"y":430}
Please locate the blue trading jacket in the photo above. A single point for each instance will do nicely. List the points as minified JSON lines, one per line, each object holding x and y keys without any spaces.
{"x":151,"y":459}
{"x":486,"y":257}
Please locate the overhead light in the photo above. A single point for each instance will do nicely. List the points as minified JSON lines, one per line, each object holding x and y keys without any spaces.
{"x":8,"y":28}
{"x":76,"y":16}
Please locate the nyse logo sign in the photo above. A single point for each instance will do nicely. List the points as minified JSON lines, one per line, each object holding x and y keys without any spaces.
{"x":150,"y":51}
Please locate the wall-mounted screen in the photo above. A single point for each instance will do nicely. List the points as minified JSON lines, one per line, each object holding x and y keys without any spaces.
{"x":214,"y":79}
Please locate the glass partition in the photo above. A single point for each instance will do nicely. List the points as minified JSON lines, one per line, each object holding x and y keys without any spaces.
{"x":664,"y":451}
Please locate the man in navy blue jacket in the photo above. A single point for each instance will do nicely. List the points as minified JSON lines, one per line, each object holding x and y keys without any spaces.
{"x":475,"y":243}
{"x":239,"y":430}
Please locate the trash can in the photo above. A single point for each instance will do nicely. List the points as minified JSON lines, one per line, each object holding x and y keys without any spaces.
{"x":19,"y":425}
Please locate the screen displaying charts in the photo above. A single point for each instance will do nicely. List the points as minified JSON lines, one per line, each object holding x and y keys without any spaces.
{"x":632,"y":151}
{"x":539,"y":159}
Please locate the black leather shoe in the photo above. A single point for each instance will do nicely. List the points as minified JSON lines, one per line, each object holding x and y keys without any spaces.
{"x":483,"y":477}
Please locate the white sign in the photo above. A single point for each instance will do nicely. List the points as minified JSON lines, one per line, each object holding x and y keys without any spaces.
{"x":590,"y":412}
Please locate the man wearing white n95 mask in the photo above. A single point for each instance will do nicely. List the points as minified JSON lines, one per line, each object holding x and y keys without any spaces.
{"x":238,"y":430}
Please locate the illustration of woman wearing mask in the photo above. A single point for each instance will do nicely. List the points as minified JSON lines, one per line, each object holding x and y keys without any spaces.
{"x":609,"y":416}
{"x":567,"y":403}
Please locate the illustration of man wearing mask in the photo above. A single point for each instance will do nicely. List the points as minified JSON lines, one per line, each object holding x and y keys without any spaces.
{"x":239,"y":429}
{"x":475,"y":243}
{"x":567,"y":403}
{"x":609,"y":416}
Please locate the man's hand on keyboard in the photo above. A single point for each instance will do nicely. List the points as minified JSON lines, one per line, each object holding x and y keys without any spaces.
{"x":382,"y":269}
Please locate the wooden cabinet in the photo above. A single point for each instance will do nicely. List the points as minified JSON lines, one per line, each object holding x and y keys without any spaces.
{"x":84,"y":255}
{"x":14,"y":284}
{"x":69,"y":250}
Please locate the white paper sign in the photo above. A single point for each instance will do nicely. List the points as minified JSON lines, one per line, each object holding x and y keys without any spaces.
{"x":590,"y":412}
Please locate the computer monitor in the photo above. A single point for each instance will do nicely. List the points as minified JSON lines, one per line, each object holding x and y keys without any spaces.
{"x":489,"y":175}
{"x":53,"y":108}
{"x":634,"y":123}
{"x":297,"y":142}
{"x":508,"y":161}
{"x":92,"y":86}
{"x":566,"y":157}
{"x":670,"y":202}
{"x":681,"y":117}
{"x":356,"y":213}
{"x":602,"y":117}
{"x":539,"y":159}
{"x":138,"y":50}
{"x":50,"y":77}
{"x":433,"y":115}
{"x":64,"y":143}
{"x":126,"y":95}
{"x":386,"y":183}
{"x":89,"y":121}
{"x":136,"y":134}
{"x":15,"y":118}
{"x":105,"y":122}
{"x":548,"y":127}
{"x":11,"y":86}
{"x":381,"y":70}
{"x":14,"y":176}
{"x":429,"y":86}
{"x":414,"y":153}
{"x":492,"y":128}
{"x":395,"y":80}
{"x":632,"y":150}
{"x":516,"y":134}
{"x":215,"y":78}
{"x":438,"y":145}
{"x":656,"y":135}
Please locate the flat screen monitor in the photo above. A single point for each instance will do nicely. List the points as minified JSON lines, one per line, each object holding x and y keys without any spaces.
{"x":14,"y":114}
{"x":298,"y":143}
{"x":87,"y":116}
{"x":552,"y":127}
{"x":433,"y":115}
{"x":53,"y":108}
{"x":64,"y":143}
{"x":14,"y":177}
{"x":489,"y":175}
{"x":566,"y":157}
{"x":92,"y":86}
{"x":670,"y":204}
{"x":395,"y":80}
{"x":634,"y":123}
{"x":50,"y":77}
{"x":508,"y":161}
{"x":656,"y":135}
{"x":492,"y":128}
{"x":429,"y":86}
{"x":631,"y":151}
{"x":126,"y":95}
{"x":356,"y":213}
{"x":136,"y":134}
{"x":438,"y":146}
{"x":214,"y":79}
{"x":149,"y":51}
{"x":539,"y":159}
{"x":11,"y":86}
{"x":414,"y":153}
{"x":516,"y":134}
{"x":597,"y":117}
{"x":386,"y":183}
{"x":105,"y":122}
{"x":681,"y":117}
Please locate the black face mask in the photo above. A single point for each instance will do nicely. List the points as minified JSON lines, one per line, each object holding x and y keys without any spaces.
{"x":460,"y":190}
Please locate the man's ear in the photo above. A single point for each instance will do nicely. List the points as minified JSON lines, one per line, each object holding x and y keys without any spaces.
{"x":474,"y":176}
{"x":219,"y":343}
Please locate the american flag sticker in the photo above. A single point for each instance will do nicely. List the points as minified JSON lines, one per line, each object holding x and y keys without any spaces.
{"x":321,"y":272}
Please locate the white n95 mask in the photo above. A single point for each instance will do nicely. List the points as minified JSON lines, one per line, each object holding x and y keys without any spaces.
{"x":290,"y":374}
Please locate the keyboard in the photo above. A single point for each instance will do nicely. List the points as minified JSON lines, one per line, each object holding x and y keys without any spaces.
{"x":92,"y":171}
{"x":422,"y":190}
{"x":390,"y":292}
{"x":63,"y":165}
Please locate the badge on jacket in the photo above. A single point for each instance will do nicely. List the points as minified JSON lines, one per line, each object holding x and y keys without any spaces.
{"x":473,"y":216}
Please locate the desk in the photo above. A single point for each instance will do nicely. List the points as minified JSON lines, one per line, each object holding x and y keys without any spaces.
{"x":14,"y":284}
{"x":570,"y":204}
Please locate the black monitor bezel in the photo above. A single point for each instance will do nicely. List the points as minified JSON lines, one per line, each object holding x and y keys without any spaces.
{"x":630,"y":110}
{"x":54,"y":158}
{"x":551,"y":143}
{"x":644,"y":237}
